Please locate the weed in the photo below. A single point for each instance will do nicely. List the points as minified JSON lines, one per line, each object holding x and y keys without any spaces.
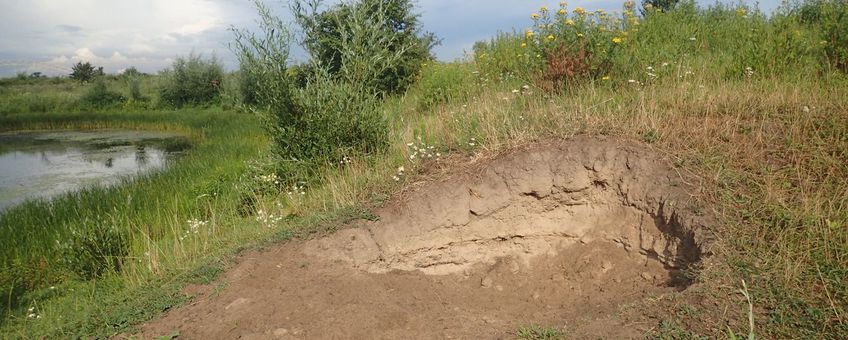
{"x":535,"y":332}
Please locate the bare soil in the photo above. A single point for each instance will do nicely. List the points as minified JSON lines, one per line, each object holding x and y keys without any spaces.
{"x":576,"y":234}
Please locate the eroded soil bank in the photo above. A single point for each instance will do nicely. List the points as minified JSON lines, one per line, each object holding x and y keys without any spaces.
{"x":574,"y":234}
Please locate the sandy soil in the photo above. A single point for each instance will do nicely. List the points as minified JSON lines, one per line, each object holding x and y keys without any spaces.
{"x":574,"y":234}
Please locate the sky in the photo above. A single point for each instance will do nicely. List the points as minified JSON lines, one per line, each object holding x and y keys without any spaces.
{"x":49,"y":36}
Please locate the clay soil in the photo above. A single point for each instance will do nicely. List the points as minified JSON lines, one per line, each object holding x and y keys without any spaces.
{"x":578,"y":235}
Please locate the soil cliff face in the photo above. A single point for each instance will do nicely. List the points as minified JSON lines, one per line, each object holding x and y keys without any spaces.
{"x":529,"y":203}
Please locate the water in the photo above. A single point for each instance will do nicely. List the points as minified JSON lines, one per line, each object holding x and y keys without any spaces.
{"x":41,"y":165}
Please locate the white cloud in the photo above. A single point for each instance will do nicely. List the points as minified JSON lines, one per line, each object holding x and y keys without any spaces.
{"x":113,"y":34}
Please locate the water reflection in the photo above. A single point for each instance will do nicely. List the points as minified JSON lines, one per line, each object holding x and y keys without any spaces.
{"x":43,"y":165}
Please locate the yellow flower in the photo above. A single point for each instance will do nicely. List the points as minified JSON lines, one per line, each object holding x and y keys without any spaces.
{"x":551,"y":37}
{"x":580,"y":11}
{"x":629,"y":5}
{"x":617,"y":40}
{"x":579,"y":35}
{"x":569,"y":22}
{"x":741,"y":11}
{"x":523,"y":45}
{"x":534,"y":16}
{"x":543,"y":9}
{"x":561,"y":11}
{"x":529,"y":33}
{"x":649,"y":7}
{"x":606,"y":78}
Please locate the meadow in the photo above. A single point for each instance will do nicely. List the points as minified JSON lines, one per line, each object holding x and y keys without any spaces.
{"x":755,"y":106}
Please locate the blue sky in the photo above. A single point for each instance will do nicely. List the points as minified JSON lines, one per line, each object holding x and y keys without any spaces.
{"x":51,"y":35}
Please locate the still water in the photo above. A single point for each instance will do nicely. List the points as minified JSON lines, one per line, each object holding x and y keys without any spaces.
{"x":41,"y":165}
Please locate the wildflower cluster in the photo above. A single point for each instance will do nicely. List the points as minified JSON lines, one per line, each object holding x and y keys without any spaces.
{"x":421,"y":150}
{"x":399,"y":175}
{"x":345,"y":160}
{"x":268,"y":219}
{"x":298,"y":188}
{"x":194,"y":226}
{"x":578,"y":42}
{"x":271,"y":179}
{"x":32,"y":314}
{"x":525,"y":90}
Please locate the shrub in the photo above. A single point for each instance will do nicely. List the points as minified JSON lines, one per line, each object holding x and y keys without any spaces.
{"x":131,"y":72}
{"x":318,"y":113}
{"x":99,"y":96}
{"x":376,"y":41}
{"x":192,"y":81}
{"x":829,"y":17}
{"x":581,"y":43}
{"x":84,"y":72}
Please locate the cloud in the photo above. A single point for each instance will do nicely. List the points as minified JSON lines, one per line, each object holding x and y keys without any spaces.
{"x":69,"y":28}
{"x":113,"y":34}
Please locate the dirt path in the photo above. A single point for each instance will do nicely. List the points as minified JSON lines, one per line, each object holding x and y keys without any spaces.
{"x":576,"y":234}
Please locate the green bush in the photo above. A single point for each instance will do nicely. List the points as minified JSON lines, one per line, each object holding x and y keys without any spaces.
{"x":84,"y":72}
{"x":830,"y":19}
{"x":320,"y":112}
{"x":383,"y":38}
{"x":192,"y":81}
{"x":94,"y":250}
{"x":99,"y":96}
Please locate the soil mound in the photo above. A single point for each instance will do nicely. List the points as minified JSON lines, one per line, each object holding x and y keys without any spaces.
{"x":532,"y":202}
{"x":573,"y":234}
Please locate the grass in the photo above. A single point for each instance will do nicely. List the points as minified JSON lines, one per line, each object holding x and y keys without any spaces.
{"x":539,"y":333}
{"x":769,"y":148}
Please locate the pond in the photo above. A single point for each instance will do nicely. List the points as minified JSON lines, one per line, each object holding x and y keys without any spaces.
{"x":41,"y":165}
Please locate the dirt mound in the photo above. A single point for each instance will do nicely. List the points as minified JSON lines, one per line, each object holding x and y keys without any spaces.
{"x":566,"y":234}
{"x":529,"y":203}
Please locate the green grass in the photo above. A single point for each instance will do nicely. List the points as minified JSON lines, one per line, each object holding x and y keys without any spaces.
{"x":539,"y":333}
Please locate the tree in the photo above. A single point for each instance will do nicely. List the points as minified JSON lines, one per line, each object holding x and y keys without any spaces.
{"x":327,"y":36}
{"x":85,"y":72}
{"x":132,"y":72}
